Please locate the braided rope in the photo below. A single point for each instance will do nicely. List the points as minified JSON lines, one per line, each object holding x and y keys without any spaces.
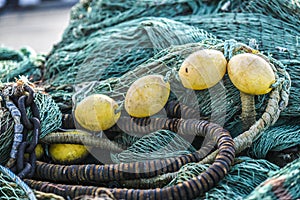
{"x":42,"y":195}
{"x":81,"y":138}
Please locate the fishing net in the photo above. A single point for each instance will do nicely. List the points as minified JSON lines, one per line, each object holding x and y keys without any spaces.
{"x":50,"y":114}
{"x":247,"y":27}
{"x":253,"y":23}
{"x":242,"y":178}
{"x":90,"y":16}
{"x":50,"y":121}
{"x":14,"y":63}
{"x":12,"y":187}
{"x":156,"y":145}
{"x":110,"y":44}
{"x":113,"y":52}
{"x":270,"y":35}
{"x":17,"y":64}
{"x":285,"y":10}
{"x":266,"y":21}
{"x":221,"y":103}
{"x":278,"y":139}
{"x":282,"y":184}
{"x":7,"y":135}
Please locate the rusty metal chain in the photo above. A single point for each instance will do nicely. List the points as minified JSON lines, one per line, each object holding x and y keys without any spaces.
{"x":20,"y":164}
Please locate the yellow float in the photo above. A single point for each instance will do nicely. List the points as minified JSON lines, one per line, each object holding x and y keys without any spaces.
{"x":68,"y":153}
{"x":147,"y":96}
{"x":97,"y":112}
{"x":202,"y":69}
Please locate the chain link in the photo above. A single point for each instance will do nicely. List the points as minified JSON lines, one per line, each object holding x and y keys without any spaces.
{"x":20,"y":164}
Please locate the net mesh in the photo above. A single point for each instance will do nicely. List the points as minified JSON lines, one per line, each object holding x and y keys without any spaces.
{"x":113,"y":52}
{"x":271,"y":36}
{"x":277,"y":138}
{"x":19,"y":64}
{"x":282,"y":184}
{"x":221,"y":103}
{"x":156,"y":145}
{"x":243,"y":177}
{"x":109,"y":44}
{"x":14,"y":63}
{"x":7,"y":135}
{"x":12,"y":187}
{"x":265,"y":21}
{"x":50,"y":114}
{"x":89,"y":16}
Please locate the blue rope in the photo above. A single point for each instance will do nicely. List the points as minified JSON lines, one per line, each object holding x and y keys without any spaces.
{"x":18,"y":181}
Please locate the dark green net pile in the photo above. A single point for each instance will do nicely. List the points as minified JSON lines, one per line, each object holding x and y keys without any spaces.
{"x":17,"y":64}
{"x":282,"y":184}
{"x":109,"y":44}
{"x":25,"y":62}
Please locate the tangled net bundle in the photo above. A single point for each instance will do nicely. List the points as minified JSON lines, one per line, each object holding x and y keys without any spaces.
{"x":110,"y":44}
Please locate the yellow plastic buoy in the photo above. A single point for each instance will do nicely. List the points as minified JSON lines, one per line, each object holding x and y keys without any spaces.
{"x":147,"y":96}
{"x":68,"y":153}
{"x":251,"y":74}
{"x":202,"y":69}
{"x":39,"y":151}
{"x":97,"y":112}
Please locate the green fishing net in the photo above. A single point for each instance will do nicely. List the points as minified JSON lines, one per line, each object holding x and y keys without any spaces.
{"x":270,"y":26}
{"x":243,"y":177}
{"x":50,"y":114}
{"x":91,"y":16}
{"x":247,"y":27}
{"x":113,"y":52}
{"x":282,"y":184}
{"x":50,"y":121}
{"x":7,"y":136}
{"x":285,"y":10}
{"x":270,"y":35}
{"x":110,"y":44}
{"x":277,"y":139}
{"x":221,"y":103}
{"x":12,"y":187}
{"x":156,"y":145}
{"x":14,"y":63}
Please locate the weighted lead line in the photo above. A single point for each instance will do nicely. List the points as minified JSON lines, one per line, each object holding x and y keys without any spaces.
{"x":136,"y":170}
